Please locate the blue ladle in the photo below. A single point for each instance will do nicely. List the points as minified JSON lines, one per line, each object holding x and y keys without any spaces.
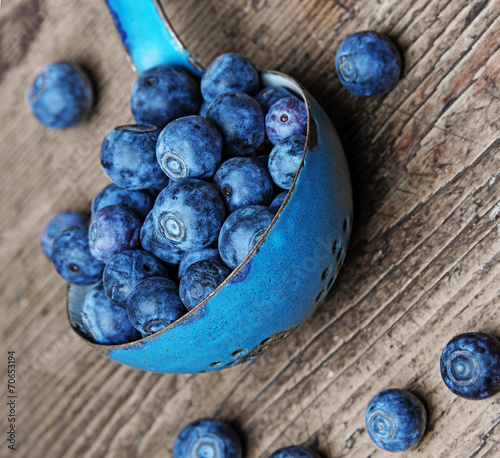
{"x":288,"y":272}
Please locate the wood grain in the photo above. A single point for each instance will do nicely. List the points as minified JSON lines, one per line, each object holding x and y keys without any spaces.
{"x":424,"y":260}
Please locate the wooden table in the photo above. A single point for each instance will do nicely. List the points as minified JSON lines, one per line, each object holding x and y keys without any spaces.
{"x":423,"y":265}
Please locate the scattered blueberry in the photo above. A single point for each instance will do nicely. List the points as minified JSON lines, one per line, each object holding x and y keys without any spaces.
{"x":470,"y":365}
{"x":61,"y":95}
{"x":244,"y":181}
{"x":294,"y":451}
{"x":229,"y":73}
{"x":207,"y":438}
{"x":55,"y":226}
{"x":200,"y":279}
{"x":107,"y":323}
{"x":154,"y":304}
{"x":395,"y":420}
{"x":125,"y":270}
{"x":241,"y":120}
{"x":241,"y":231}
{"x":267,"y":96}
{"x":128,"y":156}
{"x":189,"y":214}
{"x":286,"y":117}
{"x":189,"y":147}
{"x":211,"y":252}
{"x":285,"y":159}
{"x":72,"y":258}
{"x":139,"y":200}
{"x":368,"y":64}
{"x":277,"y":201}
{"x":164,"y":93}
{"x":155,"y":243}
{"x":113,"y":229}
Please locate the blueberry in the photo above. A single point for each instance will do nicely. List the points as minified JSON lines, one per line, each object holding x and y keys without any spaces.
{"x":107,"y":323}
{"x":229,"y":73}
{"x":285,"y":159}
{"x":267,"y":96}
{"x":286,"y":117}
{"x":211,"y":252}
{"x":189,"y":147}
{"x":140,"y":201}
{"x":207,"y":438}
{"x":277,"y":201}
{"x":200,"y":279}
{"x":72,"y":258}
{"x":203,"y":108}
{"x":470,"y":365}
{"x":263,"y":160}
{"x":55,"y":226}
{"x":154,"y":304}
{"x":128,"y":156}
{"x":294,"y":451}
{"x":125,"y":270}
{"x":243,"y":181}
{"x":61,"y":95}
{"x":395,"y":420}
{"x":162,"y":94}
{"x":189,"y":213}
{"x":241,"y":231}
{"x":113,"y":229}
{"x":241,"y":120}
{"x":368,"y":64}
{"x":155,"y":190}
{"x":157,"y":244}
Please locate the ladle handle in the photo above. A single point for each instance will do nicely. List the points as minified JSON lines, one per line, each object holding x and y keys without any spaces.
{"x":148,"y":36}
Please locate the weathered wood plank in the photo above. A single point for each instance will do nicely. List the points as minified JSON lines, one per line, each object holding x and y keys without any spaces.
{"x":424,"y":260}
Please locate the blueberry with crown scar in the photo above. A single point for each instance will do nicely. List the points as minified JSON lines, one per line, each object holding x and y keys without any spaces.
{"x":125,"y":270}
{"x":160,"y":246}
{"x":284,"y":160}
{"x":470,"y":365}
{"x":241,"y":231}
{"x":229,"y":72}
{"x":395,"y":420}
{"x":154,"y":304}
{"x":368,"y":64}
{"x":200,"y":279}
{"x":240,"y":119}
{"x":162,"y":94}
{"x":106,"y":321}
{"x":55,"y":226}
{"x":205,"y":438}
{"x":189,"y":147}
{"x":113,"y":229}
{"x":244,"y":181}
{"x":128,"y":156}
{"x":139,"y":200}
{"x":189,"y":214}
{"x":61,"y":95}
{"x":286,"y":117}
{"x":72,"y":257}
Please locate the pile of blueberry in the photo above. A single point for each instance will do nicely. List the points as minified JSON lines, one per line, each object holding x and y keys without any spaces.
{"x":196,"y":182}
